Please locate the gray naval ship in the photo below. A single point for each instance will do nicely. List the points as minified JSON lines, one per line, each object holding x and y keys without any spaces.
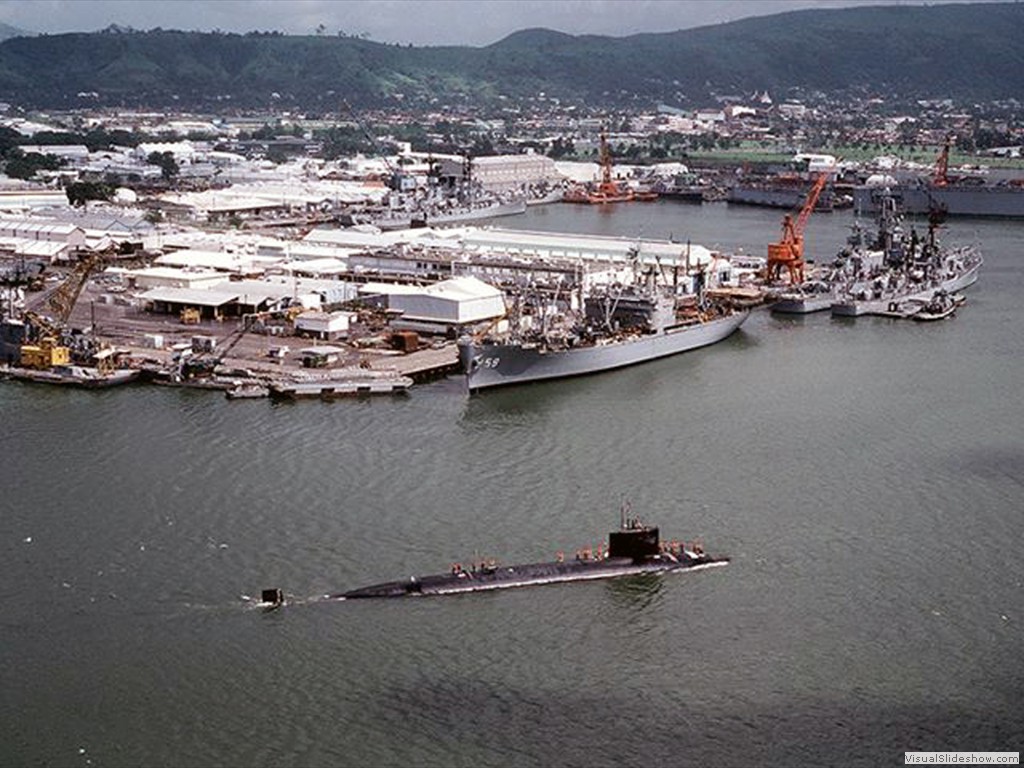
{"x":621,"y":326}
{"x":872,"y":275}
{"x":913,"y":269}
{"x":993,"y":193}
{"x":966,"y":198}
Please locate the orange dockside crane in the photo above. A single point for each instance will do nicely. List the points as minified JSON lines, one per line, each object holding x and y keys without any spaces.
{"x":789,"y":251}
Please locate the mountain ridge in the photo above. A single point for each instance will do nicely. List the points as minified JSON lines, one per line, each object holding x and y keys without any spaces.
{"x":910,"y":51}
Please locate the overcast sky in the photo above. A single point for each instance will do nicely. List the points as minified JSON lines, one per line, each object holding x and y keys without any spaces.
{"x":420,"y":22}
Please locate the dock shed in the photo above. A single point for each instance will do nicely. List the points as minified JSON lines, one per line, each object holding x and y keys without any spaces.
{"x":327,"y":326}
{"x":458,"y":301}
{"x":218,"y":261}
{"x":265,"y":295}
{"x":212,"y":305}
{"x":320,"y":357}
{"x":170,"y":277}
{"x":51,"y":231}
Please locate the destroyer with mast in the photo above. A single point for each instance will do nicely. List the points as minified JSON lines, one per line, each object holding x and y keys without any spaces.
{"x":893,"y":274}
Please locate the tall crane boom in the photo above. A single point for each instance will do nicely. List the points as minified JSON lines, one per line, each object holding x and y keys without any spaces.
{"x":789,"y":251}
{"x":812,"y":200}
{"x":61,"y":300}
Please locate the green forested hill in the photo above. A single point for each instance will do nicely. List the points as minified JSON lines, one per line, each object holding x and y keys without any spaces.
{"x":970,"y":50}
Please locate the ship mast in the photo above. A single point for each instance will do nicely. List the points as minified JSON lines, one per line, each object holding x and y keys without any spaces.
{"x":606,"y":160}
{"x":941,"y":176}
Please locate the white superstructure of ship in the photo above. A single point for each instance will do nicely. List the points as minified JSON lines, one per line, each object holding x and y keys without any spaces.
{"x":618,"y":325}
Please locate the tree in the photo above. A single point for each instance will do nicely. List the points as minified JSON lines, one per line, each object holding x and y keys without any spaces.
{"x":343,"y":141}
{"x":19,"y":165}
{"x":9,"y":138}
{"x":561,"y":147}
{"x":168,"y":165}
{"x":80,"y":192}
{"x":482,"y":146}
{"x":264,"y":132}
{"x":277,"y":155}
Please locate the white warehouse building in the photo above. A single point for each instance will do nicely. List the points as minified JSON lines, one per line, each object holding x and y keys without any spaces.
{"x":513,"y":171}
{"x":445,"y":306}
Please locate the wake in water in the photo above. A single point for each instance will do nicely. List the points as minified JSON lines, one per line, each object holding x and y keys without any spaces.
{"x":263,"y":604}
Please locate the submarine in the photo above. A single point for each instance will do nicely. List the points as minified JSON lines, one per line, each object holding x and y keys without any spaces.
{"x":633,"y":549}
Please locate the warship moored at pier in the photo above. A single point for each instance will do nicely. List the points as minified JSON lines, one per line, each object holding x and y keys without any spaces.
{"x":614,"y":326}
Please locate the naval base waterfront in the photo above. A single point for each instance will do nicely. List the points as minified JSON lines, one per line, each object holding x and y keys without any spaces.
{"x":863,"y":475}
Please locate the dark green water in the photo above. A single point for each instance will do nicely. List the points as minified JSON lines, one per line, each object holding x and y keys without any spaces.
{"x":866,"y":476}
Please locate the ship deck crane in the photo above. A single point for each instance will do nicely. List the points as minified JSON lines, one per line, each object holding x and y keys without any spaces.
{"x":788,"y":253}
{"x":61,"y":301}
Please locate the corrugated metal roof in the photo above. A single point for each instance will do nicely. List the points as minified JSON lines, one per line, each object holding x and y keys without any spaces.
{"x":199,"y":298}
{"x":258,"y":289}
{"x":326,"y":266}
{"x":458,"y":288}
{"x":219,"y":260}
{"x":37,"y":227}
{"x":23,"y":247}
{"x":176,"y":272}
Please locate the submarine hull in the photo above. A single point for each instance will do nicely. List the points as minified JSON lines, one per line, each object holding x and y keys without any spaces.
{"x":511,"y":576}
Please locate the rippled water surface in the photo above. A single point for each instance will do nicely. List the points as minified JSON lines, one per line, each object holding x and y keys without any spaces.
{"x":866,"y":477}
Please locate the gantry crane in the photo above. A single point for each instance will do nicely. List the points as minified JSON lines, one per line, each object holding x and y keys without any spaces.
{"x":789,"y":251}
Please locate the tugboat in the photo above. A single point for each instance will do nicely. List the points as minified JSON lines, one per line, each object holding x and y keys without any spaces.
{"x":607,"y":190}
{"x":633,"y":549}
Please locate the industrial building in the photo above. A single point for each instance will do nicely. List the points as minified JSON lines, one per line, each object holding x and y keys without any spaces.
{"x":327,"y":326}
{"x":444,"y":308}
{"x":503,"y":172}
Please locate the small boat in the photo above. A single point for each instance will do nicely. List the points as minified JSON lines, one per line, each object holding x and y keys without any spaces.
{"x":247,"y":390}
{"x":941,"y":306}
{"x":807,"y":297}
{"x":607,"y":190}
{"x":900,"y":310}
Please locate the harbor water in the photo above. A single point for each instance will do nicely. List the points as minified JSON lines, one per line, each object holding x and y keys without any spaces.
{"x":866,"y":476}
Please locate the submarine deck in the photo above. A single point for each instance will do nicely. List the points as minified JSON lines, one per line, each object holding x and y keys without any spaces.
{"x":510,"y":576}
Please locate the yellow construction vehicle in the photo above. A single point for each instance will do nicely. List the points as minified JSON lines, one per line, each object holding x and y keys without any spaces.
{"x":46,"y":354}
{"x":190,"y":316}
